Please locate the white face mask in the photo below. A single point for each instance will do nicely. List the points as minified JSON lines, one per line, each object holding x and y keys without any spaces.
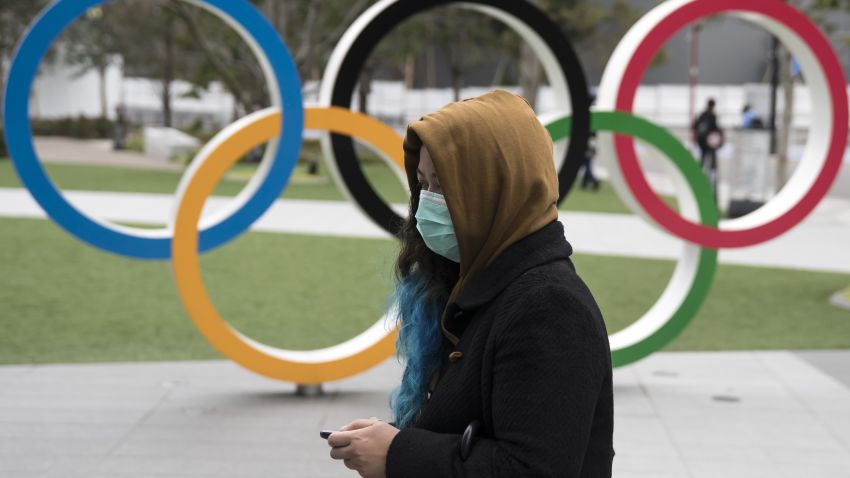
{"x":435,"y":225}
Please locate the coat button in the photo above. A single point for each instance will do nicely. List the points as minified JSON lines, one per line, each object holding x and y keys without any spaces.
{"x":468,"y":438}
{"x":455,"y":356}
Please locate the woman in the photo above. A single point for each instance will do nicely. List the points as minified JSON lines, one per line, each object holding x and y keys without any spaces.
{"x":508,"y":366}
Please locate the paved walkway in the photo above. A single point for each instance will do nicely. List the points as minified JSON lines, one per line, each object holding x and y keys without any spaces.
{"x":97,"y":152}
{"x":678,"y":414}
{"x":819,"y":243}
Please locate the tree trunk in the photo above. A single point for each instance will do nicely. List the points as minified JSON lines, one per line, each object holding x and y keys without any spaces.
{"x":430,"y":58}
{"x":166,"y":102}
{"x":499,"y":73}
{"x":409,"y":71}
{"x":2,"y":81}
{"x":168,"y":71}
{"x":457,"y":81}
{"x":786,"y":131}
{"x":305,"y":57}
{"x":529,"y":74}
{"x":693,"y":72}
{"x":278,"y":20}
{"x":101,"y":71}
{"x":456,"y":55}
{"x":431,"y":66}
{"x":773,"y":69}
{"x":242,"y":100}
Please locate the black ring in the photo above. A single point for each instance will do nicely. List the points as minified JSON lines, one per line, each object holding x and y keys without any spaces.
{"x":349,"y":73}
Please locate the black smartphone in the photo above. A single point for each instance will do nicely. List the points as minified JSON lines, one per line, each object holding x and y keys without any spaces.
{"x":326,"y":433}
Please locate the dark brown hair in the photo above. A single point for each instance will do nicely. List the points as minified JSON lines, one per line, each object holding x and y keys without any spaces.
{"x":438,"y":273}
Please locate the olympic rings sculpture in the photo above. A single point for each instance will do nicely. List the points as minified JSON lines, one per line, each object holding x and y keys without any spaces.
{"x":281,"y":125}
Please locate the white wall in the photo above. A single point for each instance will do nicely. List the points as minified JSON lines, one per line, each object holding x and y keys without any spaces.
{"x":666,"y":105}
{"x":58,"y":91}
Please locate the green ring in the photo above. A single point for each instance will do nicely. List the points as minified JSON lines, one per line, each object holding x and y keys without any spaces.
{"x":664,"y":141}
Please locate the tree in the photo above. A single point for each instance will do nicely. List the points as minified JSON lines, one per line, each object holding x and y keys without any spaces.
{"x":592,"y":27}
{"x":221,"y":55}
{"x":396,"y":53}
{"x":91,"y":44}
{"x":15,"y":16}
{"x":820,"y":11}
{"x":309,"y":28}
{"x":467,"y":38}
{"x":463,"y":36}
{"x":153,"y":43}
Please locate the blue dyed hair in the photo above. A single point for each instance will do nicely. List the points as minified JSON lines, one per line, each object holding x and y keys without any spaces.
{"x":419,"y":344}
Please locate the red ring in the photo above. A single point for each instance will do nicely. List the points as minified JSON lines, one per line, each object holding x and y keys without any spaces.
{"x":666,"y":217}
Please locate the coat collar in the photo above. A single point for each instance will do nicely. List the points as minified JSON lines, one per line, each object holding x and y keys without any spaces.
{"x":546,"y":245}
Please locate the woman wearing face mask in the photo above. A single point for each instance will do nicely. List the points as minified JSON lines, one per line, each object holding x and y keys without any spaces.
{"x":507,"y":361}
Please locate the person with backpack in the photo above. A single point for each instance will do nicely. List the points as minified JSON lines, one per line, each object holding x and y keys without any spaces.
{"x":709,"y":137}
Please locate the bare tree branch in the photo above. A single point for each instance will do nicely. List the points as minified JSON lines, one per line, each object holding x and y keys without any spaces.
{"x":215,"y":62}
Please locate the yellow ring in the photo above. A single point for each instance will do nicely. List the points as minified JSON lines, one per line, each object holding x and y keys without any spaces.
{"x":252,"y":131}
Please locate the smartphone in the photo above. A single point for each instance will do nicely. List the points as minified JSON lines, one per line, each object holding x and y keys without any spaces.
{"x":326,"y":433}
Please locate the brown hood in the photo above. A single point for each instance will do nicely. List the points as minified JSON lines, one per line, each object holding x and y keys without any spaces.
{"x":494,"y":162}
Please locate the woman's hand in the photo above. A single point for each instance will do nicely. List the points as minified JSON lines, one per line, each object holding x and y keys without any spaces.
{"x":363,"y":445}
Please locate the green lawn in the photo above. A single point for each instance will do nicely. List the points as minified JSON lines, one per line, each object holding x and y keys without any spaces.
{"x":302,"y":185}
{"x":63,"y":301}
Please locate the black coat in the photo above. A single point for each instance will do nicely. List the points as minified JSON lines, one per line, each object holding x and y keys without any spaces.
{"x":535,"y":370}
{"x":704,"y":125}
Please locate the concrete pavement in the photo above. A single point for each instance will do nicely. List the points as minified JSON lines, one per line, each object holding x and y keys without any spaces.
{"x":678,"y":414}
{"x":96,"y":152}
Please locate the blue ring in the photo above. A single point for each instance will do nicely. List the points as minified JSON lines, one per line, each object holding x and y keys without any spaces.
{"x":47,"y":26}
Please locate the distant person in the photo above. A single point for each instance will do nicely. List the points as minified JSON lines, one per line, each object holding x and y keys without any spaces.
{"x":709,"y":137}
{"x":750,"y":119}
{"x":119,"y":128}
{"x":589,"y":179}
